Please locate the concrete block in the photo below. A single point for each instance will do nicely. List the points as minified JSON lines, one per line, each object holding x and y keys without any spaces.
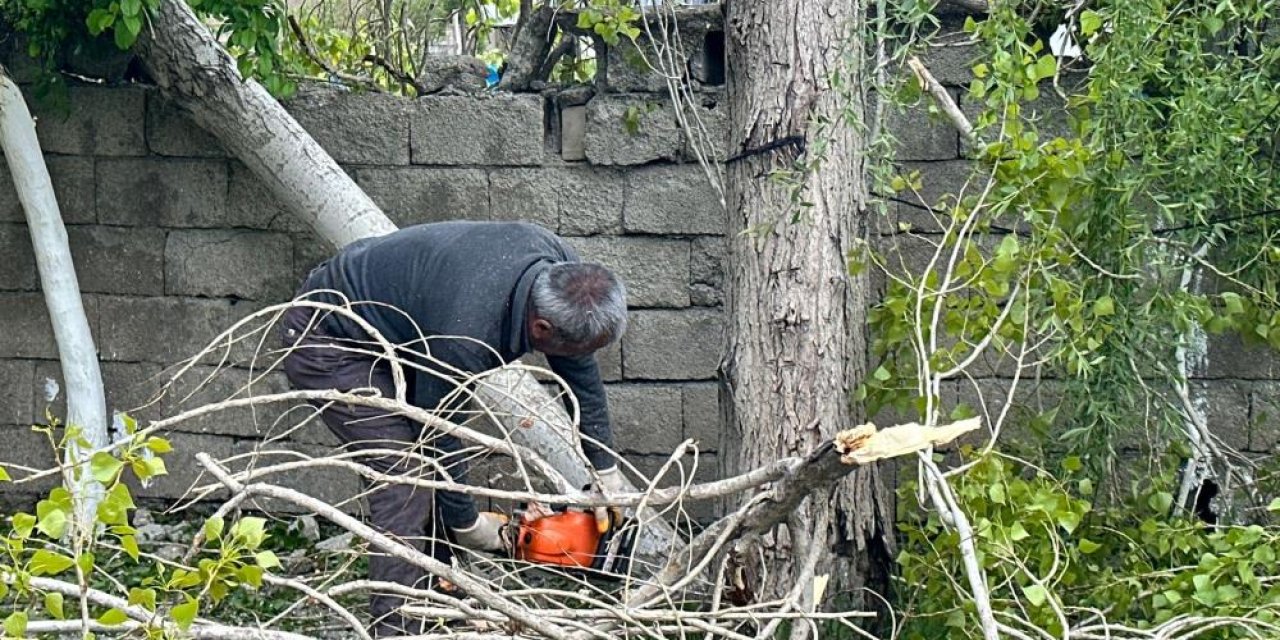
{"x":165,"y":193}
{"x":573,"y":133}
{"x":654,"y":270}
{"x":921,"y":136}
{"x":17,"y":387}
{"x":673,"y":345}
{"x":18,"y":269}
{"x":257,"y":265}
{"x":706,"y":271}
{"x":629,"y":131}
{"x":1264,"y":417}
{"x":938,"y":180}
{"x":131,"y":387}
{"x":502,"y":129}
{"x":525,"y":194}
{"x":1226,"y":407}
{"x":170,"y":132}
{"x":118,"y":259}
{"x":100,"y":121}
{"x":250,"y":204}
{"x":702,"y":418}
{"x":951,"y":61}
{"x":356,"y":128}
{"x":26,"y":448}
{"x":309,"y":250}
{"x":646,"y":417}
{"x":673,"y":199}
{"x":26,"y":332}
{"x":414,"y":195}
{"x":608,"y":361}
{"x":167,"y":330}
{"x":72,"y":178}
{"x":591,"y":200}
{"x":1229,"y":356}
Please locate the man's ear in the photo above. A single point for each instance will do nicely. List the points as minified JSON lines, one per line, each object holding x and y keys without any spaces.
{"x":541,"y":330}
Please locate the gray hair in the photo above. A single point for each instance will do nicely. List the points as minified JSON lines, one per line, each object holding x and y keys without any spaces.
{"x":584,"y":301}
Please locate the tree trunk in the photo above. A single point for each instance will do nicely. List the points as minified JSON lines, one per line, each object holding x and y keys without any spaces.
{"x":195,"y":72}
{"x":796,"y":344}
{"x":86,"y":403}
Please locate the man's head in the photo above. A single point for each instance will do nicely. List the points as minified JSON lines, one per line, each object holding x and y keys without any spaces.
{"x":577,"y":308}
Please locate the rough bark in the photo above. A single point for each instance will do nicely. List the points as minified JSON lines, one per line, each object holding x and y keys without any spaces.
{"x":796,"y":319}
{"x":86,"y":402}
{"x":194,"y":71}
{"x":530,"y":49}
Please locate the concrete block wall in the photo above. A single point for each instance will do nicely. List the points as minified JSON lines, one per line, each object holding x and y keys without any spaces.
{"x":175,"y":241}
{"x":1238,"y":387}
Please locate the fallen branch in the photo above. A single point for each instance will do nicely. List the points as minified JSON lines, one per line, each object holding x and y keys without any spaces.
{"x":943,"y":99}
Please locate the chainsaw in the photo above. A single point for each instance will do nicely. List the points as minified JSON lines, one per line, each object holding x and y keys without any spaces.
{"x":570,"y":538}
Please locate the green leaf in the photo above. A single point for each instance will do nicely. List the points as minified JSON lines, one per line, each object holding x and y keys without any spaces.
{"x":158,"y":445}
{"x":213,"y":528}
{"x":251,"y":531}
{"x":882,"y":374}
{"x":15,"y":626}
{"x":1090,"y":22}
{"x":104,"y":467}
{"x":981,"y":70}
{"x":1160,"y":501}
{"x":113,"y":616}
{"x":1046,"y":67}
{"x":53,"y":524}
{"x":996,"y":493}
{"x":1072,"y":464}
{"x":53,"y":604}
{"x":48,"y":563}
{"x":1035,"y":594}
{"x":1103,"y":307}
{"x":1018,"y":532}
{"x":130,"y":545}
{"x":123,"y":38}
{"x":184,"y":614}
{"x":1274,"y":506}
{"x":146,"y":598}
{"x":1088,"y":546}
{"x":4,"y":475}
{"x":970,"y":25}
{"x":267,"y":559}
{"x":99,"y":20}
{"x":23,"y":523}
{"x":1233,"y":303}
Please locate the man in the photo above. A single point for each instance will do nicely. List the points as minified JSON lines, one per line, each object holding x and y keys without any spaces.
{"x":472,"y":295}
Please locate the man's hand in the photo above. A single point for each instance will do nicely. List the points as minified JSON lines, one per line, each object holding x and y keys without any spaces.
{"x":487,"y":533}
{"x":612,"y":482}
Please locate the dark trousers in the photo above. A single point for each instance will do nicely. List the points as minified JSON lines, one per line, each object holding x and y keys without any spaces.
{"x":403,"y":511}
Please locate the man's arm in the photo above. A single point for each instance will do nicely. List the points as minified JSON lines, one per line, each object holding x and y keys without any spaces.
{"x":583,"y":377}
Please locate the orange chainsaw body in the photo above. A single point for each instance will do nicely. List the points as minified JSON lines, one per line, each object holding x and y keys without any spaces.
{"x":568,"y":538}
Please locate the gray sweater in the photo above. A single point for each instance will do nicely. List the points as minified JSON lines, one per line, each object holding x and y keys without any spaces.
{"x":468,"y":279}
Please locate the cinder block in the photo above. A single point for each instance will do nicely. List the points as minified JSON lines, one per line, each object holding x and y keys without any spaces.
{"x":654,"y":270}
{"x":73,"y":180}
{"x":26,"y":448}
{"x":356,"y":128}
{"x":673,"y":345}
{"x":591,"y":200}
{"x":1229,"y":356}
{"x":702,"y":417}
{"x":18,"y":269}
{"x":171,"y":329}
{"x":250,"y":204}
{"x":501,"y":129}
{"x":414,"y":195}
{"x":921,"y":136}
{"x":257,"y":265}
{"x":608,"y":360}
{"x":525,"y":194}
{"x":647,"y":418}
{"x":27,"y":333}
{"x":1226,"y":407}
{"x":938,"y":180}
{"x":101,"y":121}
{"x":309,"y":250}
{"x":706,"y":271}
{"x":118,"y":259}
{"x":131,"y":387}
{"x":337,"y":487}
{"x":672,"y":200}
{"x":170,"y":132}
{"x":165,"y":193}
{"x":1264,"y":417}
{"x":17,"y":380}
{"x":629,"y":131}
{"x":950,"y":61}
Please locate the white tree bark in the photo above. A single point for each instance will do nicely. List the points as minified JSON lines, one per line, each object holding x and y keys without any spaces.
{"x":198,"y":74}
{"x":86,"y":403}
{"x":195,"y":72}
